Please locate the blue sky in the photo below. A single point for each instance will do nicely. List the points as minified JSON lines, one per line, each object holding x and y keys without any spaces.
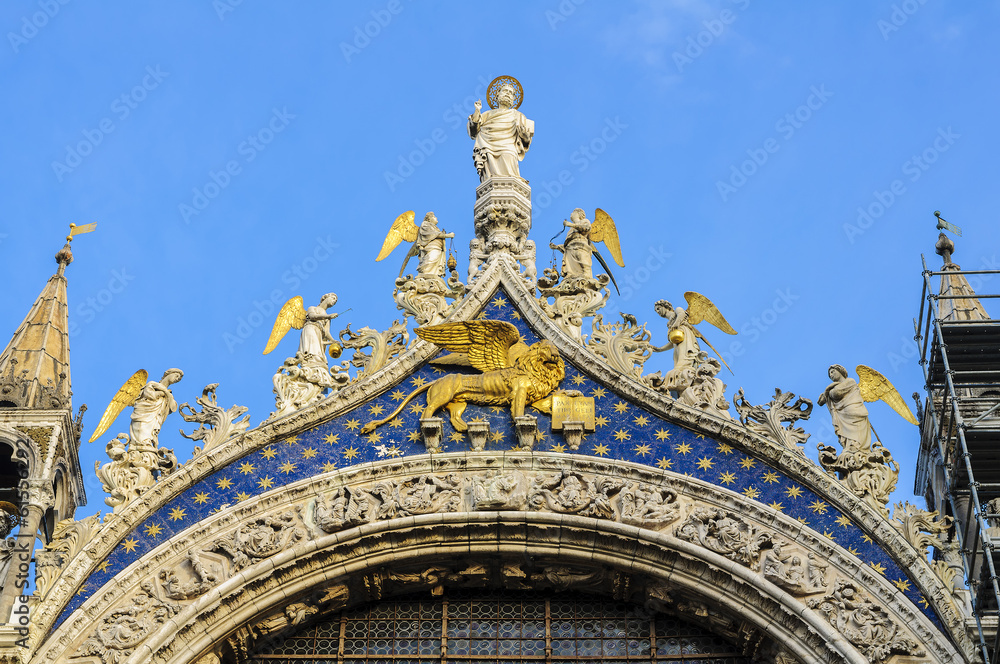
{"x":231,"y":152}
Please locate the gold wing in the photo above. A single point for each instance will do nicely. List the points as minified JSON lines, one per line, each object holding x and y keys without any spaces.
{"x":488,"y":343}
{"x":603,"y":230}
{"x":701,"y":308}
{"x":402,"y":229}
{"x":125,"y":397}
{"x":874,"y":387}
{"x":292,"y":314}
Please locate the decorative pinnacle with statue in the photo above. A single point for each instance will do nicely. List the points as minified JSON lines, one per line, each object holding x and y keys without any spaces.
{"x":502,"y":134}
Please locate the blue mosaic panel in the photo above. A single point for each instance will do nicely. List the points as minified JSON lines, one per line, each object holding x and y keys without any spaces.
{"x":625,"y":431}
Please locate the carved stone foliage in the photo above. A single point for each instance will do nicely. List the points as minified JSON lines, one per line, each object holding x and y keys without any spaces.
{"x":304,"y":380}
{"x":133,"y":469}
{"x":425,"y":296}
{"x":68,"y":538}
{"x":925,"y":529}
{"x":624,"y":346}
{"x":384,"y":346}
{"x":864,"y":623}
{"x":222,"y":423}
{"x":870,"y":473}
{"x":767,"y":420}
{"x":121,"y":631}
{"x":502,"y":218}
{"x":572,"y":299}
{"x":725,"y":534}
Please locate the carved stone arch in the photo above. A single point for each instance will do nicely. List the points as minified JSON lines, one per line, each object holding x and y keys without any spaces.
{"x":24,"y":452}
{"x":693,"y":557}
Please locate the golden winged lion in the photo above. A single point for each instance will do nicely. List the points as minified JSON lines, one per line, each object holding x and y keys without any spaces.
{"x":513,"y":373}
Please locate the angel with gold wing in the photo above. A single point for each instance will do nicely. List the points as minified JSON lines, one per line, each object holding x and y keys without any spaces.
{"x":428,"y":243}
{"x":867,"y":468}
{"x":580,"y":245}
{"x":513,"y":373}
{"x":314,"y":323}
{"x":151,"y":403}
{"x":682,"y":336}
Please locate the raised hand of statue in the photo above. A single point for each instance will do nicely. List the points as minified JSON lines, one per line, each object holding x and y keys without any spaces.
{"x":479,"y":105}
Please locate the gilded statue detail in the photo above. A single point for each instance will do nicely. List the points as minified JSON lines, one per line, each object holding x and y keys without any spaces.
{"x":502,"y":134}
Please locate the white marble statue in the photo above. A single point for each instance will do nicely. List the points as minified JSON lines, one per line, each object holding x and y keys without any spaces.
{"x":502,"y":137}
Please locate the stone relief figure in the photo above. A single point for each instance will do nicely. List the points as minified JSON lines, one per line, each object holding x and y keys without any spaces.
{"x":498,"y":490}
{"x":707,"y":392}
{"x":136,"y":458}
{"x":304,"y":379}
{"x":572,"y":493}
{"x":683,"y":336}
{"x":502,"y":134}
{"x":867,"y":468}
{"x":791,"y":572}
{"x":575,"y":291}
{"x":119,"y":633}
{"x":346,"y":508}
{"x":647,"y":506}
{"x":427,"y":493}
{"x":724,"y":534}
{"x":425,"y":295}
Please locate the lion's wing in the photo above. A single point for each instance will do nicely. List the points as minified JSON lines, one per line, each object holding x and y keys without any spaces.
{"x":486,"y":342}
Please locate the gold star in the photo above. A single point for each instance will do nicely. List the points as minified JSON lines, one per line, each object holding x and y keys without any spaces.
{"x":776,"y":505}
{"x":331,"y":438}
{"x":558,"y":448}
{"x":770,"y":477}
{"x":352,"y":424}
{"x":843,"y":520}
{"x":498,"y":302}
{"x":350,"y":453}
{"x":398,"y":395}
{"x":751,"y":493}
{"x":878,"y":567}
{"x":700,"y":436}
{"x":705,"y":463}
{"x":827,"y":533}
{"x":496,"y":409}
{"x":396,"y":423}
{"x":641,"y":450}
{"x":662,"y":435}
{"x":416,"y":409}
{"x":437,"y":370}
{"x":329,"y":466}
{"x":727,"y":478}
{"x":291,"y":440}
{"x":793,"y":491}
{"x":376,"y":409}
{"x":902,"y":584}
{"x":287,"y":467}
{"x":540,"y":437}
{"x":374,"y":437}
{"x":621,"y":407}
{"x":177,"y":513}
{"x":579,"y":379}
{"x":924,"y":603}
{"x":496,"y":436}
{"x":621,"y":434}
{"x":747,"y":463}
{"x":601,"y":421}
{"x":804,"y":521}
{"x":481,"y":315}
{"x":247,"y":468}
{"x":867,"y":539}
{"x":664,"y":463}
{"x":852,"y":550}
{"x":153,"y":530}
{"x":641,"y":420}
{"x":269,"y":453}
{"x":242,"y":495}
{"x":683,"y":448}
{"x":819,"y":507}
{"x":418,"y":381}
{"x":308,"y":453}
{"x":224,"y":483}
{"x":598,"y":392}
{"x":601,"y":449}
{"x":725,"y":449}
{"x":201,"y":498}
{"x":414,"y":436}
{"x":456,"y":437}
{"x":265,"y":483}
{"x":515,"y":315}
{"x":84,"y":589}
{"x":103,"y":567}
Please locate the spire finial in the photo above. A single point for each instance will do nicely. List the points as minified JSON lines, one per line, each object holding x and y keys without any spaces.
{"x":65,"y":255}
{"x":945,"y":247}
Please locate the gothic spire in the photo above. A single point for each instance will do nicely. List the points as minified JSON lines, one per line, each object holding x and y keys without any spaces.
{"x":967,"y":307}
{"x":34,"y":367}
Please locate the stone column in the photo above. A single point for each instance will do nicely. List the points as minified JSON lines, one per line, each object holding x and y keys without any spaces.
{"x":36,"y":497}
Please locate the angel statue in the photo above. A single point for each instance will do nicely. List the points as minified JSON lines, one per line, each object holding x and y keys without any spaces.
{"x":502,"y":134}
{"x":428,"y":242}
{"x":306,"y":377}
{"x":136,"y":458}
{"x":867,"y":468}
{"x":581,"y":245}
{"x":682,"y":336}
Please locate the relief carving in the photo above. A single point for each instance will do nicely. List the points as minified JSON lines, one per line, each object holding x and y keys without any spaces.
{"x":767,"y":420}
{"x":124,"y":629}
{"x":793,"y":572}
{"x":724,"y":534}
{"x":260,"y":539}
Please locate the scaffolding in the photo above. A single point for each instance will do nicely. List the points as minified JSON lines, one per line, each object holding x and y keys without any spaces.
{"x":961,"y":364}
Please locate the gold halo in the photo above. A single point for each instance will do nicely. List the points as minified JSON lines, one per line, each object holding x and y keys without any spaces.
{"x":494,"y":90}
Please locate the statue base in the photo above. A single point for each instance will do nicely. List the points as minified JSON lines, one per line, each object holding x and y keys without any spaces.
{"x":502,"y":216}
